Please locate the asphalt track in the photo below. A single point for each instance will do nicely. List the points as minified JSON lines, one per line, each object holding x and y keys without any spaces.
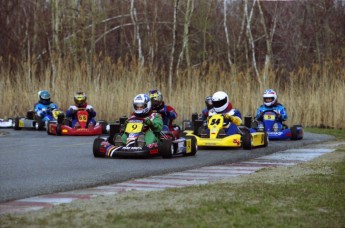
{"x":34,"y":163}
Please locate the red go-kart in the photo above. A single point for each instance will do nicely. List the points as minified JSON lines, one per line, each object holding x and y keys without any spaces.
{"x":64,"y":126}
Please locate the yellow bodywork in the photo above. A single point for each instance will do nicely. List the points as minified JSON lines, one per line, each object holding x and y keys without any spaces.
{"x":215,"y":124}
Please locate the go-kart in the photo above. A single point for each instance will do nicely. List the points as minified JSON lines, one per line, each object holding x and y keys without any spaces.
{"x":6,"y":123}
{"x":275,"y":129}
{"x":213,"y":135}
{"x":33,"y":121}
{"x":168,"y":145}
{"x":64,"y":126}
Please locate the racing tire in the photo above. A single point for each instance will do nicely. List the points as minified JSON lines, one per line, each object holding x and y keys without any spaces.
{"x":294,"y":133}
{"x":104,"y":124}
{"x":197,"y":124}
{"x":16,"y":124}
{"x":166,"y":148}
{"x":96,"y":148}
{"x":48,"y":132}
{"x":59,"y":130}
{"x":266,"y":140}
{"x":193,"y":145}
{"x":247,"y":141}
{"x":39,"y":125}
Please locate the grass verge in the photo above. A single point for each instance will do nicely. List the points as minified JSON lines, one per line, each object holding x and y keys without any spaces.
{"x":306,"y":195}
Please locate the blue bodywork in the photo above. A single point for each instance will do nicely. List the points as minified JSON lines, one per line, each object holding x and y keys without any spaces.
{"x":276,"y":130}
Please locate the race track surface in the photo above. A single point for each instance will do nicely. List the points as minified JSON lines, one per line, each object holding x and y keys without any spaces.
{"x":34,"y":163}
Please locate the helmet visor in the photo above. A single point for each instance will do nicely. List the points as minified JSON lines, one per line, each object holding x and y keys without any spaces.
{"x":218,"y":104}
{"x":139,"y":106}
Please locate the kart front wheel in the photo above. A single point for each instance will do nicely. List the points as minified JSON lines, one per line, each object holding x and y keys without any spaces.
{"x":166,"y":149}
{"x":16,"y":124}
{"x":247,"y":141}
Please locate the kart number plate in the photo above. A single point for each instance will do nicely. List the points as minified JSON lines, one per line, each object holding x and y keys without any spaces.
{"x":269,"y":117}
{"x":82,"y":118}
{"x":134,"y":127}
{"x":21,"y":123}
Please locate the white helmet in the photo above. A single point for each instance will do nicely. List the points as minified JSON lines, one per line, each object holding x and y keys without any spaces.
{"x":141,"y":104}
{"x":220,"y":101}
{"x":270,"y":97}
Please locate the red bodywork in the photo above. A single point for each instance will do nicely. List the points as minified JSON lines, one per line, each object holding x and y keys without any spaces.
{"x":82,"y":129}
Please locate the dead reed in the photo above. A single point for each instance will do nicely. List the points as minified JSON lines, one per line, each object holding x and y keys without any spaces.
{"x":313,"y":96}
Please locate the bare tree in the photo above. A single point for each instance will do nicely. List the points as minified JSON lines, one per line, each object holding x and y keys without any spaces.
{"x":172,"y":53}
{"x":227,"y":33}
{"x":250,"y":37}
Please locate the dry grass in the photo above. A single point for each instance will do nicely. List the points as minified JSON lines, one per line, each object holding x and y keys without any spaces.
{"x":313,"y":97}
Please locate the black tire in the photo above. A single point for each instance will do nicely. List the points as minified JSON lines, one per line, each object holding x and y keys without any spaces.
{"x":96,"y":148}
{"x":61,"y":118}
{"x":39,"y":125}
{"x":197,"y":124}
{"x":166,"y":149}
{"x":104,"y":124}
{"x":16,"y":124}
{"x":248,"y":121}
{"x":48,"y":128}
{"x":294,"y":133}
{"x":266,"y":140}
{"x":193,"y":145}
{"x":59,"y":129}
{"x":247,"y":141}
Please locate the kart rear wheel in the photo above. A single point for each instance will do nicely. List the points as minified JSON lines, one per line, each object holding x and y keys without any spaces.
{"x":16,"y":124}
{"x":247,"y":141}
{"x":104,"y":124}
{"x":197,"y":124}
{"x":166,"y":149}
{"x":193,"y":145}
{"x":96,"y":148}
{"x":48,"y":132}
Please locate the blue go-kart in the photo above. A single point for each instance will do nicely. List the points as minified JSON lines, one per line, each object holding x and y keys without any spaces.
{"x":275,"y":129}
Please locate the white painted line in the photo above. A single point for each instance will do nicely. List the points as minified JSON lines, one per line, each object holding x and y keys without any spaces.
{"x":42,"y":199}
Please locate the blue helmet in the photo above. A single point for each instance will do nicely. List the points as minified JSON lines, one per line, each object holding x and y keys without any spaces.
{"x":44,"y":97}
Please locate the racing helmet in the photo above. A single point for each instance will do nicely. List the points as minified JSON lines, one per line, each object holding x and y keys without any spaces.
{"x":270,"y":97}
{"x":208,"y":102}
{"x":80,"y":99}
{"x":156,"y":98}
{"x":220,"y":101}
{"x":44,"y":97}
{"x":141,"y":105}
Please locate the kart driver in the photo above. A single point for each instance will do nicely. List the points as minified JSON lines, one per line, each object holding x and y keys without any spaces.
{"x":222,"y":105}
{"x":44,"y":107}
{"x":80,"y":104}
{"x":270,"y":103}
{"x":209,"y":106}
{"x":153,"y":122}
{"x":167,"y":112}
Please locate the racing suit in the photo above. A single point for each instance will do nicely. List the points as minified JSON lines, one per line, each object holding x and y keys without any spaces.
{"x":72,"y":114}
{"x":277,"y":108}
{"x":168,"y":114}
{"x":231,"y":116}
{"x":151,"y":129}
{"x":45,"y":110}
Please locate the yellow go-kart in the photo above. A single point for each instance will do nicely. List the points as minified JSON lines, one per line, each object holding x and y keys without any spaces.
{"x":214,"y":135}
